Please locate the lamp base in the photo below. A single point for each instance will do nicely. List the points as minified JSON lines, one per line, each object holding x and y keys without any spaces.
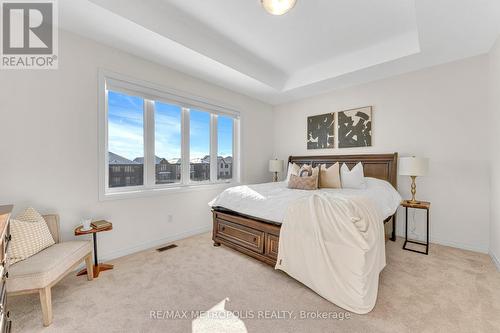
{"x":275,"y":177}
{"x":414,"y":202}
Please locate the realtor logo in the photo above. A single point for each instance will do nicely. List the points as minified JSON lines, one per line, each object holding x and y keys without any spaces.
{"x":29,"y":35}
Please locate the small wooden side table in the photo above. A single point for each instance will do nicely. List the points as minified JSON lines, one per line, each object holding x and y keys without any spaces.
{"x":416,"y":205}
{"x":97,"y":267}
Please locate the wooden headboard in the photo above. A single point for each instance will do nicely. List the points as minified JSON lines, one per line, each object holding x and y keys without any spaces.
{"x":381,"y":166}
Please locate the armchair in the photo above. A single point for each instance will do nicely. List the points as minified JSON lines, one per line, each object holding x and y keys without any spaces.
{"x":40,"y":272}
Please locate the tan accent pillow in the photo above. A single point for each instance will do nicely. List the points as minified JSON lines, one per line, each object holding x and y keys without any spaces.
{"x":306,"y":180}
{"x":329,"y":177}
{"x":30,"y":235}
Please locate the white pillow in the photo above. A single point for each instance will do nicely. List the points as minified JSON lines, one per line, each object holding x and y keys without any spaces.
{"x":293,"y":169}
{"x":354,"y":178}
{"x":30,"y":235}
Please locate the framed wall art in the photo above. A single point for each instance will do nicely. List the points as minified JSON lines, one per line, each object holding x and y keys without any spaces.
{"x":321,"y":131}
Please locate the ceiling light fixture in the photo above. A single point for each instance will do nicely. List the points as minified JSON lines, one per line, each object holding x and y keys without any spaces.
{"x":278,"y":7}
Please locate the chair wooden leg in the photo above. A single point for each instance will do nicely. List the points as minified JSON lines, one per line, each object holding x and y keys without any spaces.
{"x":46,"y":300}
{"x":89,"y":265}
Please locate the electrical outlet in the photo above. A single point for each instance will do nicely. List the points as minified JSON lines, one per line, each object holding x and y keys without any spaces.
{"x":170,"y":218}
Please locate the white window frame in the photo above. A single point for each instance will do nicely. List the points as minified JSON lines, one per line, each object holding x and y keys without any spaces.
{"x":151,"y":92}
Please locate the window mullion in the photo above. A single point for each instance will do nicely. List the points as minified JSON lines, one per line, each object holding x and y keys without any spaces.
{"x":149,"y":143}
{"x":213,"y":148}
{"x":185,"y":165}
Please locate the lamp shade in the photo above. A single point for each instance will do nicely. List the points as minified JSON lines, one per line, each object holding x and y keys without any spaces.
{"x":413,"y":166}
{"x":275,"y":165}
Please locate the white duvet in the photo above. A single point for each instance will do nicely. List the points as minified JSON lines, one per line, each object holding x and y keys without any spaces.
{"x":331,"y":240}
{"x":269,"y":201}
{"x":335,"y":246}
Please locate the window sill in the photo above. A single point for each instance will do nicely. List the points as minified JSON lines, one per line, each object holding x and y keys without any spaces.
{"x":159,"y":191}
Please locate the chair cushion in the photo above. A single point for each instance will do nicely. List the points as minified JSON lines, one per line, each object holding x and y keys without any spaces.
{"x":45,"y":267}
{"x":30,"y":235}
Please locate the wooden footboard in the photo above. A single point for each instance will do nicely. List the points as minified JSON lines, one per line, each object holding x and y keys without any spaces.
{"x":255,"y":238}
{"x":249,"y":236}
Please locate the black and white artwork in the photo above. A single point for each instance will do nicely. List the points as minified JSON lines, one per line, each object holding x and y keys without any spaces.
{"x":320,"y":131}
{"x":355,"y":128}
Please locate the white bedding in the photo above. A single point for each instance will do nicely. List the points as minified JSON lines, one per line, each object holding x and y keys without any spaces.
{"x":269,"y":201}
{"x":335,"y":246}
{"x":332,"y":240}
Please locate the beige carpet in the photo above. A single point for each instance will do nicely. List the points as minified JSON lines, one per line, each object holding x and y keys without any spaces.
{"x":448,"y":291}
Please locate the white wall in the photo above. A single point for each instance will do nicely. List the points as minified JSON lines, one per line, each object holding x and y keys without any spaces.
{"x":439,"y":113}
{"x":494,"y":75}
{"x":49,"y":158}
{"x":49,"y":146}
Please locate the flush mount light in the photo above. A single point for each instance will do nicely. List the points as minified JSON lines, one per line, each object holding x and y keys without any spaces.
{"x":278,"y":7}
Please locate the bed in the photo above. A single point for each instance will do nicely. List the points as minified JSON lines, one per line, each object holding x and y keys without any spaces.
{"x":258,"y":235}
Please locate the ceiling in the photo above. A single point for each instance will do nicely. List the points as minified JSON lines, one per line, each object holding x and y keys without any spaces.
{"x":319,"y":46}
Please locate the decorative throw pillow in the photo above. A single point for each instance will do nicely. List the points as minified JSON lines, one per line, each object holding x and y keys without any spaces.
{"x":308,"y":170}
{"x":354,"y":178}
{"x":293,"y":169}
{"x":306,"y":180}
{"x":30,"y":235}
{"x":329,"y":177}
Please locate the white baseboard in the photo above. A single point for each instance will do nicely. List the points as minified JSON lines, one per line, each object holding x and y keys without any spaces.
{"x":188,"y":233}
{"x":495,"y":260}
{"x":153,"y":243}
{"x":462,"y":246}
{"x":445,"y":242}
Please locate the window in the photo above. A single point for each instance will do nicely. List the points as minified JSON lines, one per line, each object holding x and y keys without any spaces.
{"x":225,"y":146}
{"x":125,"y":140}
{"x":152,"y":139}
{"x":199,"y":140}
{"x":167,"y":143}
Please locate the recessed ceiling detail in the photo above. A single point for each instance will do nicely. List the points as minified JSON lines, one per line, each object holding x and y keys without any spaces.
{"x":318,"y":46}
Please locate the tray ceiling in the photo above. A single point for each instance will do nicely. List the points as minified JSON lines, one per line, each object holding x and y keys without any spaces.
{"x":320,"y":45}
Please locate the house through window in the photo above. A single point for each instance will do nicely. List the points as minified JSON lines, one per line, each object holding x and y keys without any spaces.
{"x":152,"y":142}
{"x":125,"y":140}
{"x":168,"y":127}
{"x":225,"y":134}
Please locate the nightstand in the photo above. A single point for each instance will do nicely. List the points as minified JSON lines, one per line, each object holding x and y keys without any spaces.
{"x":416,"y":205}
{"x":97,"y":266}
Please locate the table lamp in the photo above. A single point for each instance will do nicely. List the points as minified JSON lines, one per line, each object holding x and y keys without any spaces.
{"x":275,"y":166}
{"x":413,"y":167}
